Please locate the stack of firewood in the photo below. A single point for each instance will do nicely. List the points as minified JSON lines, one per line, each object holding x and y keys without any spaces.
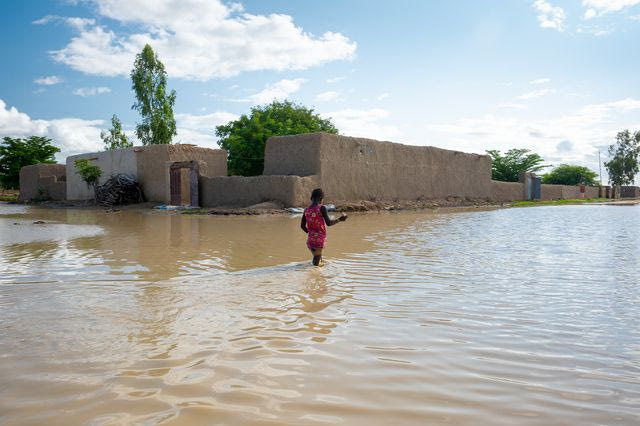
{"x":119,"y":190}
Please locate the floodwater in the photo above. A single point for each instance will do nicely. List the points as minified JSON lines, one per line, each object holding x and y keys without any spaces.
{"x":500,"y":317}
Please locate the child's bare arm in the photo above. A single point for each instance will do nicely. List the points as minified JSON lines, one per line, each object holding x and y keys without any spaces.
{"x":303,"y":224}
{"x":328,"y":220}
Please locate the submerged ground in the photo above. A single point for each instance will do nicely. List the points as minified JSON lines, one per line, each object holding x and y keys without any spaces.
{"x":517,"y":316}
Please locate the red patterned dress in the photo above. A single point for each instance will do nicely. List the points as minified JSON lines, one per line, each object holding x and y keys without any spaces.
{"x":316,"y":226}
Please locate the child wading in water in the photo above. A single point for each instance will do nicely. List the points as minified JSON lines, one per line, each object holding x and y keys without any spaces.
{"x":313,"y":223}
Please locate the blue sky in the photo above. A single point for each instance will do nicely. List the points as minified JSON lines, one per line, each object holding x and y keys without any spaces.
{"x":557,"y":77}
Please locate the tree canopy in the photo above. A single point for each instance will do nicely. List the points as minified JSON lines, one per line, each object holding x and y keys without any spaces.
{"x":155,"y":105}
{"x":623,"y":164}
{"x":16,"y":153}
{"x":566,"y":174}
{"x":507,"y":167}
{"x":115,"y":138}
{"x":244,"y":139}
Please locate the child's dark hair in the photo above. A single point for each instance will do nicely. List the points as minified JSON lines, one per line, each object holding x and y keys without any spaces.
{"x":317,"y":195}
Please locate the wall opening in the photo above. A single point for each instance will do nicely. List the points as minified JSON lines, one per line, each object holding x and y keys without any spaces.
{"x":183,"y":182}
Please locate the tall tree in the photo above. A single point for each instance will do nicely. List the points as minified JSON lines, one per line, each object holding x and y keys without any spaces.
{"x":155,"y":105}
{"x":623,"y":165}
{"x":508,"y":167}
{"x":566,"y":174}
{"x":244,"y":139}
{"x":115,"y":138}
{"x":16,"y":153}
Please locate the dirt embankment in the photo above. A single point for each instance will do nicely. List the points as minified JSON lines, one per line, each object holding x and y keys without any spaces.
{"x":373,"y":205}
{"x":350,"y":206}
{"x":271,"y":208}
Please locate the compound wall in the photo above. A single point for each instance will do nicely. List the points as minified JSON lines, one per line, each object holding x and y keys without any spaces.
{"x":348,"y":169}
{"x":364,"y":169}
{"x":629,"y":192}
{"x":514,"y":191}
{"x":148,"y":164}
{"x":110,"y":162}
{"x":355,"y":169}
{"x":240,"y":191}
{"x":43,"y":182}
{"x":506,"y":191}
{"x":153,"y":162}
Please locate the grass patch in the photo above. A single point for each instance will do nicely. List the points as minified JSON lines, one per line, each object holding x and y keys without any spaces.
{"x":195,"y":211}
{"x":557,"y":202}
{"x":9,"y":197}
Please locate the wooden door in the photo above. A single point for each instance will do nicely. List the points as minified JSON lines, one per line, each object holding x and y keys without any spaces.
{"x":175,"y":185}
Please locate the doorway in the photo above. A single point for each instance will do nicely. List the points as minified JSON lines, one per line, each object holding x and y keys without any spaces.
{"x":183,"y":181}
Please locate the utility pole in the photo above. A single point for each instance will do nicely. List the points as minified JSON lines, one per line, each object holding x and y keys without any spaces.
{"x":600,"y":165}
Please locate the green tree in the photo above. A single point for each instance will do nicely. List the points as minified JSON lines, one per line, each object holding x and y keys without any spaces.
{"x":566,"y":174}
{"x":15,"y":153}
{"x":507,"y":167}
{"x":623,"y":165}
{"x":155,"y":105}
{"x":89,"y":173}
{"x":244,"y":139}
{"x":115,"y":137}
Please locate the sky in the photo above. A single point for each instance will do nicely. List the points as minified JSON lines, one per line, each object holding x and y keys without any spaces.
{"x":557,"y":77}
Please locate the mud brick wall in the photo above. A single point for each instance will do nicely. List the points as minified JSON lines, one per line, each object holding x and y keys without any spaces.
{"x":147,"y":164}
{"x":43,"y":182}
{"x":152,"y":166}
{"x":506,"y":191}
{"x":352,"y":169}
{"x":241,"y":191}
{"x":629,"y":192}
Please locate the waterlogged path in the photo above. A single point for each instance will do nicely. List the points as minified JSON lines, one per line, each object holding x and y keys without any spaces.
{"x":517,"y":316}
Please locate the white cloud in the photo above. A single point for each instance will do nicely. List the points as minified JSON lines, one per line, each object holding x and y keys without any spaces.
{"x":200,"y":129}
{"x":600,"y":7}
{"x":536,"y":94}
{"x":91,"y":91}
{"x":71,"y":135}
{"x":512,"y":105}
{"x":275,"y":91}
{"x":328,"y":96}
{"x":571,"y":138}
{"x":549,"y":16}
{"x":364,"y":123}
{"x":75,"y":22}
{"x":46,"y":19}
{"x":201,"y":40}
{"x":48,"y":81}
{"x":590,"y":13}
{"x":204,"y":122}
{"x":540,"y":81}
{"x":336,"y":79}
{"x":77,"y":136}
{"x":382,"y":96}
{"x":596,"y":30}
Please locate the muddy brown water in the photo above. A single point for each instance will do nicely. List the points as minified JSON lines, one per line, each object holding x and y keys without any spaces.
{"x":500,"y":317}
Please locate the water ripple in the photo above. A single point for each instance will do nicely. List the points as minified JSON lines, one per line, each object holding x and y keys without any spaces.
{"x":521,"y":316}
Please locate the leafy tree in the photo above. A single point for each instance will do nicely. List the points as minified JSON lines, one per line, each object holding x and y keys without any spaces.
{"x":566,"y":174}
{"x":623,"y":165}
{"x":16,"y":153}
{"x":507,"y":167}
{"x":244,"y":139}
{"x":89,"y":173}
{"x":149,"y":82}
{"x":115,"y":137}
